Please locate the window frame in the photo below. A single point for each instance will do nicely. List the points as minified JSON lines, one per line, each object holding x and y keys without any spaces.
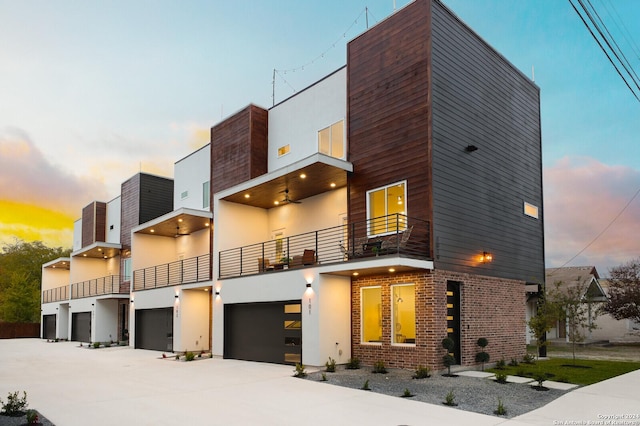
{"x":331,"y":139}
{"x":206,"y":194}
{"x":394,"y":333}
{"x":529,"y":206}
{"x":380,"y":316}
{"x":370,"y":234}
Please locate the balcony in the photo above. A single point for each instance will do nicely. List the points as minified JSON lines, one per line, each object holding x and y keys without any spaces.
{"x":187,"y":271}
{"x":55,"y":294}
{"x":99,"y":286}
{"x":393,"y":235}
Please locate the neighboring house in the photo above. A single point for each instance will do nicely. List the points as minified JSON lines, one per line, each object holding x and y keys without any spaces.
{"x":85,"y":298}
{"x":387,"y":206}
{"x":171,"y":263}
{"x":583,"y":280}
{"x":391,"y":204}
{"x":613,"y":330}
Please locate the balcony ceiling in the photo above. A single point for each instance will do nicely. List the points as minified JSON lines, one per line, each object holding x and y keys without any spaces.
{"x":59,"y":264}
{"x":318,"y":179}
{"x":178,"y":225}
{"x":99,"y":250}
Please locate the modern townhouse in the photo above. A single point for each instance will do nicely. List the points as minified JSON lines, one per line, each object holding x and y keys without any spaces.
{"x":392,"y":204}
{"x":171,"y":294}
{"x":85,"y":297}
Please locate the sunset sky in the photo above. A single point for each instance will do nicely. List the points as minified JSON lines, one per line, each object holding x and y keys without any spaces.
{"x":93,"y":92}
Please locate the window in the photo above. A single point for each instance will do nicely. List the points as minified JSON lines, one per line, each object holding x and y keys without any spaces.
{"x":126,"y":269}
{"x":184,"y":194}
{"x":331,"y":140}
{"x":371,"y":314}
{"x":403,"y":312}
{"x":530,"y":210}
{"x":283,"y":150}
{"x":386,"y":201}
{"x":206,"y":191}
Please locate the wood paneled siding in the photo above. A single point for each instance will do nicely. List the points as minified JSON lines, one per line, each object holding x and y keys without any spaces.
{"x":239,"y":148}
{"x":480,"y":99}
{"x":94,"y":220}
{"x":388,"y":110}
{"x":143,"y":198}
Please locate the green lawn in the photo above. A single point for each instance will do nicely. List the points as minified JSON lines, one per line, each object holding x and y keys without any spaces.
{"x":585,"y":371}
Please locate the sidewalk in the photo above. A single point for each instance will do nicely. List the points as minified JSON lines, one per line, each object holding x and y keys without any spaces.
{"x":77,"y":386}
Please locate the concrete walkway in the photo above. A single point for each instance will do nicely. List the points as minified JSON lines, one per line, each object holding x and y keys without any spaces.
{"x":77,"y":386}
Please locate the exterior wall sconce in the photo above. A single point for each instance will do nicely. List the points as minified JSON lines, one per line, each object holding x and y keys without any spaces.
{"x":217,"y":292}
{"x":308,"y":285}
{"x":486,"y":257}
{"x":471,"y":148}
{"x":131,"y":301}
{"x":176,"y":296}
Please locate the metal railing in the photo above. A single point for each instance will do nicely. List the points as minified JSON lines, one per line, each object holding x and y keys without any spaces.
{"x":187,"y":271}
{"x":55,"y":294}
{"x":110,"y":284}
{"x":394,"y":234}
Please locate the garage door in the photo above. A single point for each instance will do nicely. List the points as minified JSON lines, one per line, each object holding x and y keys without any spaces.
{"x":267,"y":332}
{"x":154,"y":329}
{"x":49,"y":326}
{"x":81,"y":327}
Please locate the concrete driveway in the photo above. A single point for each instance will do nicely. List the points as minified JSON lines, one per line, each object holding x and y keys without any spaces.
{"x":119,"y":385}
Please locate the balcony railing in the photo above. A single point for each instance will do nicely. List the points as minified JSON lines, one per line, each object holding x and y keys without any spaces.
{"x":187,"y":271}
{"x":393,"y":235}
{"x":55,"y":294}
{"x":110,"y":284}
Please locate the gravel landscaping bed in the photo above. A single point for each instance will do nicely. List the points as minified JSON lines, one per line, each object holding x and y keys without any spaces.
{"x":22,"y":420}
{"x":471,"y":394}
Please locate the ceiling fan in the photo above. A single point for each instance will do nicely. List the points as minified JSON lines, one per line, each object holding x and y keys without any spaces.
{"x":180,"y":234}
{"x":286,"y":199}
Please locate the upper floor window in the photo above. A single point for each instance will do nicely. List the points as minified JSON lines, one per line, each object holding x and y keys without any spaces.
{"x":184,"y":195}
{"x":386,"y":208}
{"x":331,"y":140}
{"x":206,"y":193}
{"x":283,"y":150}
{"x":530,"y":210}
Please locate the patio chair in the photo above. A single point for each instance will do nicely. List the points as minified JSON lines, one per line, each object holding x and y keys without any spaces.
{"x":397,"y":240}
{"x":264,"y":265}
{"x":308,"y":257}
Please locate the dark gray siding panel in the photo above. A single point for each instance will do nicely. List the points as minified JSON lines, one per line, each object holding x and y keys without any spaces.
{"x":156,"y":197}
{"x":480,"y":99}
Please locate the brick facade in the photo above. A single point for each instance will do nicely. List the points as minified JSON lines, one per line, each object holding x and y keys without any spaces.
{"x":490,"y":307}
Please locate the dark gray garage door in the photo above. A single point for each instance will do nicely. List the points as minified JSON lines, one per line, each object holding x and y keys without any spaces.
{"x":268,"y":332}
{"x":154,"y":329}
{"x":81,"y":327}
{"x":49,"y":326}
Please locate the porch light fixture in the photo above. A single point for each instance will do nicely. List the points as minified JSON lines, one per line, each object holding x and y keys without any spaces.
{"x":471,"y":148}
{"x":176,"y":296}
{"x":486,"y":257}
{"x":308,"y":285}
{"x":217,"y":292}
{"x":131,"y":300}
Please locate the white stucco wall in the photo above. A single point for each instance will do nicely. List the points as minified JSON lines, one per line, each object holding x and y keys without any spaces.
{"x":86,"y":268}
{"x":190,"y":173}
{"x":113,"y":220}
{"x":104,"y":325}
{"x":77,"y":234}
{"x":297,"y":120}
{"x":192,"y":332}
{"x":333,"y":300}
{"x":152,"y":250}
{"x":53,"y":278}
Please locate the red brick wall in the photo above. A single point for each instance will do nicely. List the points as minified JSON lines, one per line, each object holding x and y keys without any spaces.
{"x":490,"y":307}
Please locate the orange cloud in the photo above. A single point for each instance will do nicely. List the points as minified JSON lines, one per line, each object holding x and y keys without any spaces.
{"x":37,"y":199}
{"x":581,"y":197}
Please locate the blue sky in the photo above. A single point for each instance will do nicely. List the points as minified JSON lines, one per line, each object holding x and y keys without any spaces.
{"x":92,"y":92}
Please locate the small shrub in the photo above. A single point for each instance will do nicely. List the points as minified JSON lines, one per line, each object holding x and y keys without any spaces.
{"x":15,"y":405}
{"x":500,"y":411}
{"x":177,"y":357}
{"x":107,"y":344}
{"x":379,"y":368}
{"x":513,"y":362}
{"x":422,"y":372}
{"x":210,"y":354}
{"x":331,"y":365}
{"x":501,"y":365}
{"x":353,"y":364}
{"x":482,"y":357}
{"x":448,"y":360}
{"x":407,"y":393}
{"x":189,"y":356}
{"x":96,"y":345}
{"x":482,"y":342}
{"x":299,"y":371}
{"x":324,"y":378}
{"x":365,"y":386}
{"x":450,"y":399}
{"x":529,"y":359}
{"x":540,"y":377}
{"x":200,"y":355}
{"x":501,"y":377}
{"x":32,"y":417}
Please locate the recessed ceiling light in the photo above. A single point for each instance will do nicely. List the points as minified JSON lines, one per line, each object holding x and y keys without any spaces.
{"x":105,"y":256}
{"x":302,"y":176}
{"x":392,"y":270}
{"x":206,"y":224}
{"x":99,"y":249}
{"x":85,"y":255}
{"x":276,"y":202}
{"x":333,"y":184}
{"x":152,"y":230}
{"x":54,"y":266}
{"x":179,"y":220}
{"x":247,"y":196}
{"x":355,"y":274}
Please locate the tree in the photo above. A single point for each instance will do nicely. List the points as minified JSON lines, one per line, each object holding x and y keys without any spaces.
{"x":624,"y":292}
{"x":21,"y":276}
{"x":542,"y":322}
{"x":573,"y":305}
